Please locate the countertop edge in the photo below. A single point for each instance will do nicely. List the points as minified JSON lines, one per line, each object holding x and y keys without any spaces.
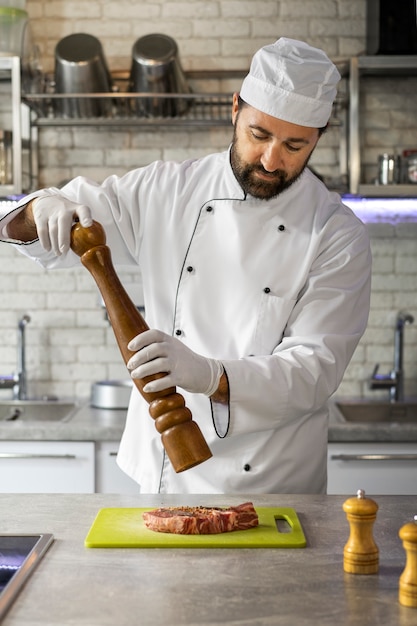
{"x":100,"y":425}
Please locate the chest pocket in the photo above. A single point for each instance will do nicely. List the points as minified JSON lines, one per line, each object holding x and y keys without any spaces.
{"x":273,"y":313}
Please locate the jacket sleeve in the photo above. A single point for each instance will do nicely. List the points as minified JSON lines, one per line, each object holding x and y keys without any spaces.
{"x":114,"y":203}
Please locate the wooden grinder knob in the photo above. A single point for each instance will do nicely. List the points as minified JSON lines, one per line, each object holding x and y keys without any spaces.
{"x":181,"y":436}
{"x":361,"y":554}
{"x":407,"y":594}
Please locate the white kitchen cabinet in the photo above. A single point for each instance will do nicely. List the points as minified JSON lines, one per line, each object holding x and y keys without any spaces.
{"x":378,"y":468}
{"x":109,"y":476}
{"x":46,"y":467}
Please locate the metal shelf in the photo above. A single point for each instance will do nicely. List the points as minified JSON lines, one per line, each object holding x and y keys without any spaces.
{"x":405,"y":65}
{"x":125,"y":108}
{"x":10,"y":73}
{"x":387,"y":191}
{"x":382,"y":66}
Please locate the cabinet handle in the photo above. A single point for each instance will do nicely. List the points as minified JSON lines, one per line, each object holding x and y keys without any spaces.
{"x":28,"y":455}
{"x":373,"y":457}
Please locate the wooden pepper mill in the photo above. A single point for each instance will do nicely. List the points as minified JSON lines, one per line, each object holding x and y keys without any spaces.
{"x":361,"y":554}
{"x":407,"y":594}
{"x":181,"y":436}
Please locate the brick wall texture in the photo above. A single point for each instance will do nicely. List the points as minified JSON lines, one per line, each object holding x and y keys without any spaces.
{"x":69,"y":342}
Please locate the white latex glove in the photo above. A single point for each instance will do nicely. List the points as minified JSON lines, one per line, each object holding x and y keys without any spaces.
{"x":158,"y":353}
{"x":54,"y":217}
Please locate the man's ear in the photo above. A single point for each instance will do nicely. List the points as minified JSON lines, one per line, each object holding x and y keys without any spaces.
{"x":235,"y":107}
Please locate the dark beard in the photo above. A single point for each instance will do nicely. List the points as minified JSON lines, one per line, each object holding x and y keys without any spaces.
{"x":245,"y":174}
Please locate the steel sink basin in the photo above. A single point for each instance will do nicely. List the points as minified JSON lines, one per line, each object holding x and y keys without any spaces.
{"x":36,"y":410}
{"x":378,"y":411}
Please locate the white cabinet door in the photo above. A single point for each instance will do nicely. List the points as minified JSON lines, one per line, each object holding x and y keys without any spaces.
{"x":109,"y":476}
{"x":378,"y":468}
{"x":46,"y":467}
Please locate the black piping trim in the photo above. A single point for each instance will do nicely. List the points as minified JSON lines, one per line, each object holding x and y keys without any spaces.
{"x":228,"y":407}
{"x":162,"y":469}
{"x":16,"y":242}
{"x":188,"y":249}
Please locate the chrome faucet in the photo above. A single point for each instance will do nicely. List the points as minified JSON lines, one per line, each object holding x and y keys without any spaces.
{"x":18,"y":381}
{"x":20,"y":390}
{"x":394,"y":381}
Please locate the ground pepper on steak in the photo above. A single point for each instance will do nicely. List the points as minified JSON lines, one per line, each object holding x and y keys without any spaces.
{"x":199,"y":520}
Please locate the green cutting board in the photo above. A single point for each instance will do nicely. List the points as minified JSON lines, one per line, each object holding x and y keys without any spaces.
{"x":125,"y":528}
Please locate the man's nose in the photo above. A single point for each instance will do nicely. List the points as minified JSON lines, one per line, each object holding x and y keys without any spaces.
{"x":271,"y":159}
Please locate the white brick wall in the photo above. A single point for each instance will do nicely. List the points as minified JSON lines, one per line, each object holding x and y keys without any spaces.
{"x":219,"y":33}
{"x":70,"y":345}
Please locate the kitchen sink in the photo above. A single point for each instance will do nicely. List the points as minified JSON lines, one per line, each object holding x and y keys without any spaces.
{"x":36,"y":410}
{"x":378,"y":411}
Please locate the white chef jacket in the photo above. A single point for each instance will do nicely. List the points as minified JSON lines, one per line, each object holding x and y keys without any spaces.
{"x":278,"y":290}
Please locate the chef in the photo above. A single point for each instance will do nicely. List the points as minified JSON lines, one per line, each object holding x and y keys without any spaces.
{"x":256,"y":284}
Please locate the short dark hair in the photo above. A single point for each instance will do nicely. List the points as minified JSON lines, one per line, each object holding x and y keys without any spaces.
{"x":241,"y":103}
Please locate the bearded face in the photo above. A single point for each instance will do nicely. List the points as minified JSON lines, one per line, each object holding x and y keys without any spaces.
{"x":248,"y":154}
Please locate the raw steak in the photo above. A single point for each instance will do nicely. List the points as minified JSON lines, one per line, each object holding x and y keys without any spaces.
{"x":199,"y":520}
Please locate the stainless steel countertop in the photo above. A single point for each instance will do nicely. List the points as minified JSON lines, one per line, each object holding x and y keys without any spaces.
{"x":92,"y":424}
{"x":204,"y":587}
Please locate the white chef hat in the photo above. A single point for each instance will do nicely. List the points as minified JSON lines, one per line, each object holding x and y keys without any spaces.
{"x":292,"y":81}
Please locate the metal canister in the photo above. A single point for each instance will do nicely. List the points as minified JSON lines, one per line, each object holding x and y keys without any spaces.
{"x":411,"y":169}
{"x":389,"y":167}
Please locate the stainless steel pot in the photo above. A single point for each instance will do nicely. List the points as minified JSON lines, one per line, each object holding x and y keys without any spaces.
{"x":80,"y":67}
{"x":111,"y":394}
{"x":156,"y":68}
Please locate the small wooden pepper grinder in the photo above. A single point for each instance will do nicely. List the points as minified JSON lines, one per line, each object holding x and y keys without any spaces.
{"x":361,"y":554}
{"x":408,"y":580}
